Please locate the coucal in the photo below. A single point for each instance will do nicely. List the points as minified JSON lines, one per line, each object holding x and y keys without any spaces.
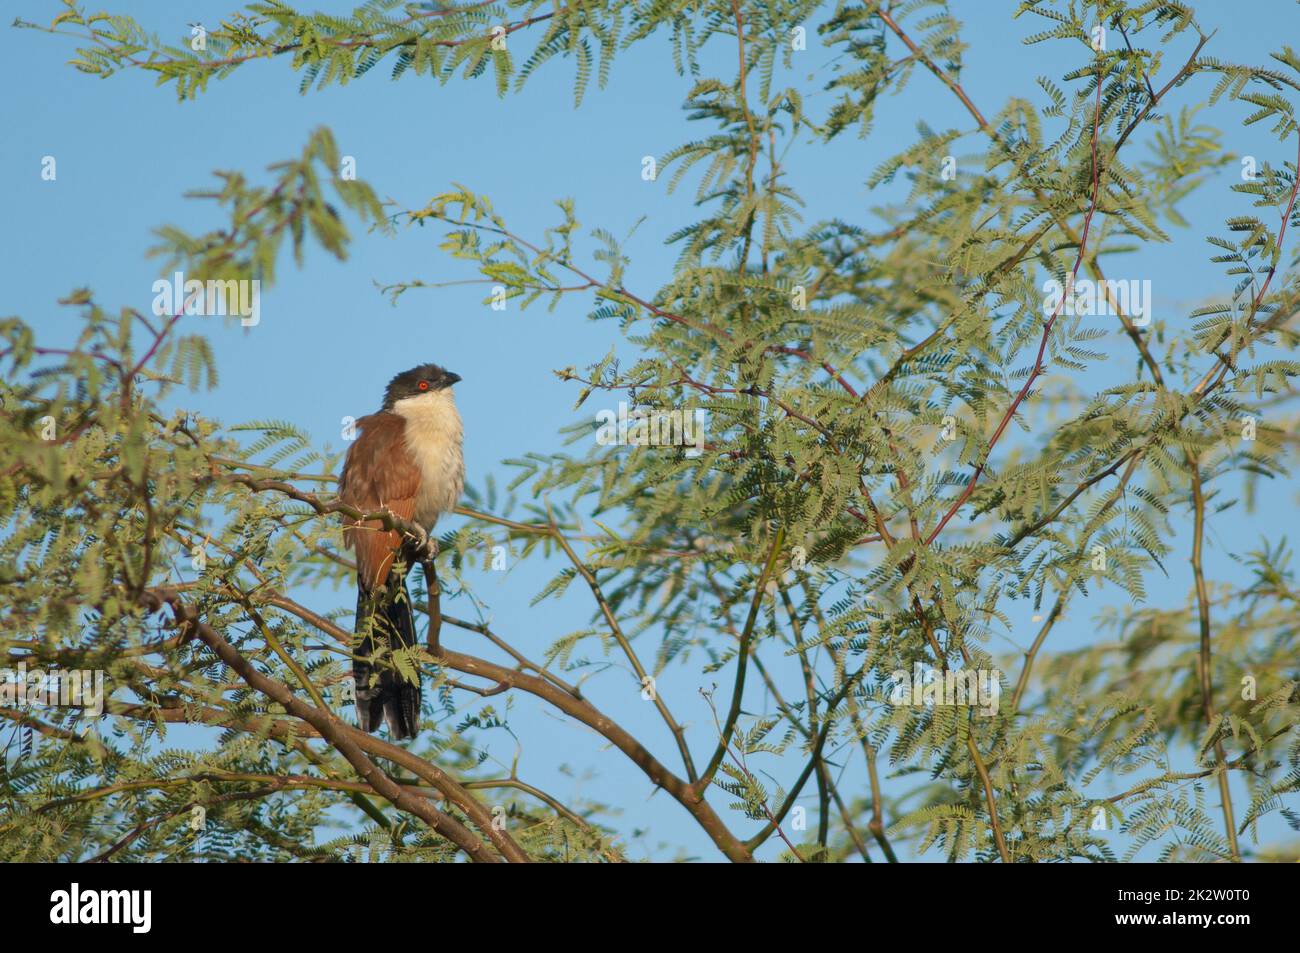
{"x":407,"y":458}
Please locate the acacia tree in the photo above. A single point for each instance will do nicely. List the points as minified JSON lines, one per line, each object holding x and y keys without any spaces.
{"x":903,"y":442}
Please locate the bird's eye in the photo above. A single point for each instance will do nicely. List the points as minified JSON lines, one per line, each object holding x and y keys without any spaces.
{"x":423,"y":385}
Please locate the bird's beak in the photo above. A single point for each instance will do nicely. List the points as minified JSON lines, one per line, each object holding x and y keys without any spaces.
{"x":452,"y":378}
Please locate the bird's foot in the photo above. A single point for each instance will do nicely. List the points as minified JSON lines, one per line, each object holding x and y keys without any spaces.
{"x":425,"y":545}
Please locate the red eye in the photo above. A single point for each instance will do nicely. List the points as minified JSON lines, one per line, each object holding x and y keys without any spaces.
{"x":424,"y":385}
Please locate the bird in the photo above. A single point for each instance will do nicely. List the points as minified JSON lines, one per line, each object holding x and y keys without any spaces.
{"x":408,"y":458}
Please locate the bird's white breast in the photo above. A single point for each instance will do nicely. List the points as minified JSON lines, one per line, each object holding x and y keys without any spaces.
{"x":434,"y":438}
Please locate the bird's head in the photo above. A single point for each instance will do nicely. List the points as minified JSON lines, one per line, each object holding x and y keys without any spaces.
{"x":422,"y":381}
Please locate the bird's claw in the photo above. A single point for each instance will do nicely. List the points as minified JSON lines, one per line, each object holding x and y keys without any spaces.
{"x":426,"y":545}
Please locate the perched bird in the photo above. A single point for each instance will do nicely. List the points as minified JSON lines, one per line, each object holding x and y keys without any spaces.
{"x":407,"y":458}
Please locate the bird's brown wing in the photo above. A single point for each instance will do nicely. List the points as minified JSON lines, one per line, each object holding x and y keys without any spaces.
{"x":378,"y":472}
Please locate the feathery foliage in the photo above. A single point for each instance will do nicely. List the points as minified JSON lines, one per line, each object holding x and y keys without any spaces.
{"x":905,"y":449}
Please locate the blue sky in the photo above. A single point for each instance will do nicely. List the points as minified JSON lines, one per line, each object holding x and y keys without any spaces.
{"x":328,"y":341}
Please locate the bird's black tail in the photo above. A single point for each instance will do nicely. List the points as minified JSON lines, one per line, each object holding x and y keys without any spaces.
{"x":384,"y":625}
